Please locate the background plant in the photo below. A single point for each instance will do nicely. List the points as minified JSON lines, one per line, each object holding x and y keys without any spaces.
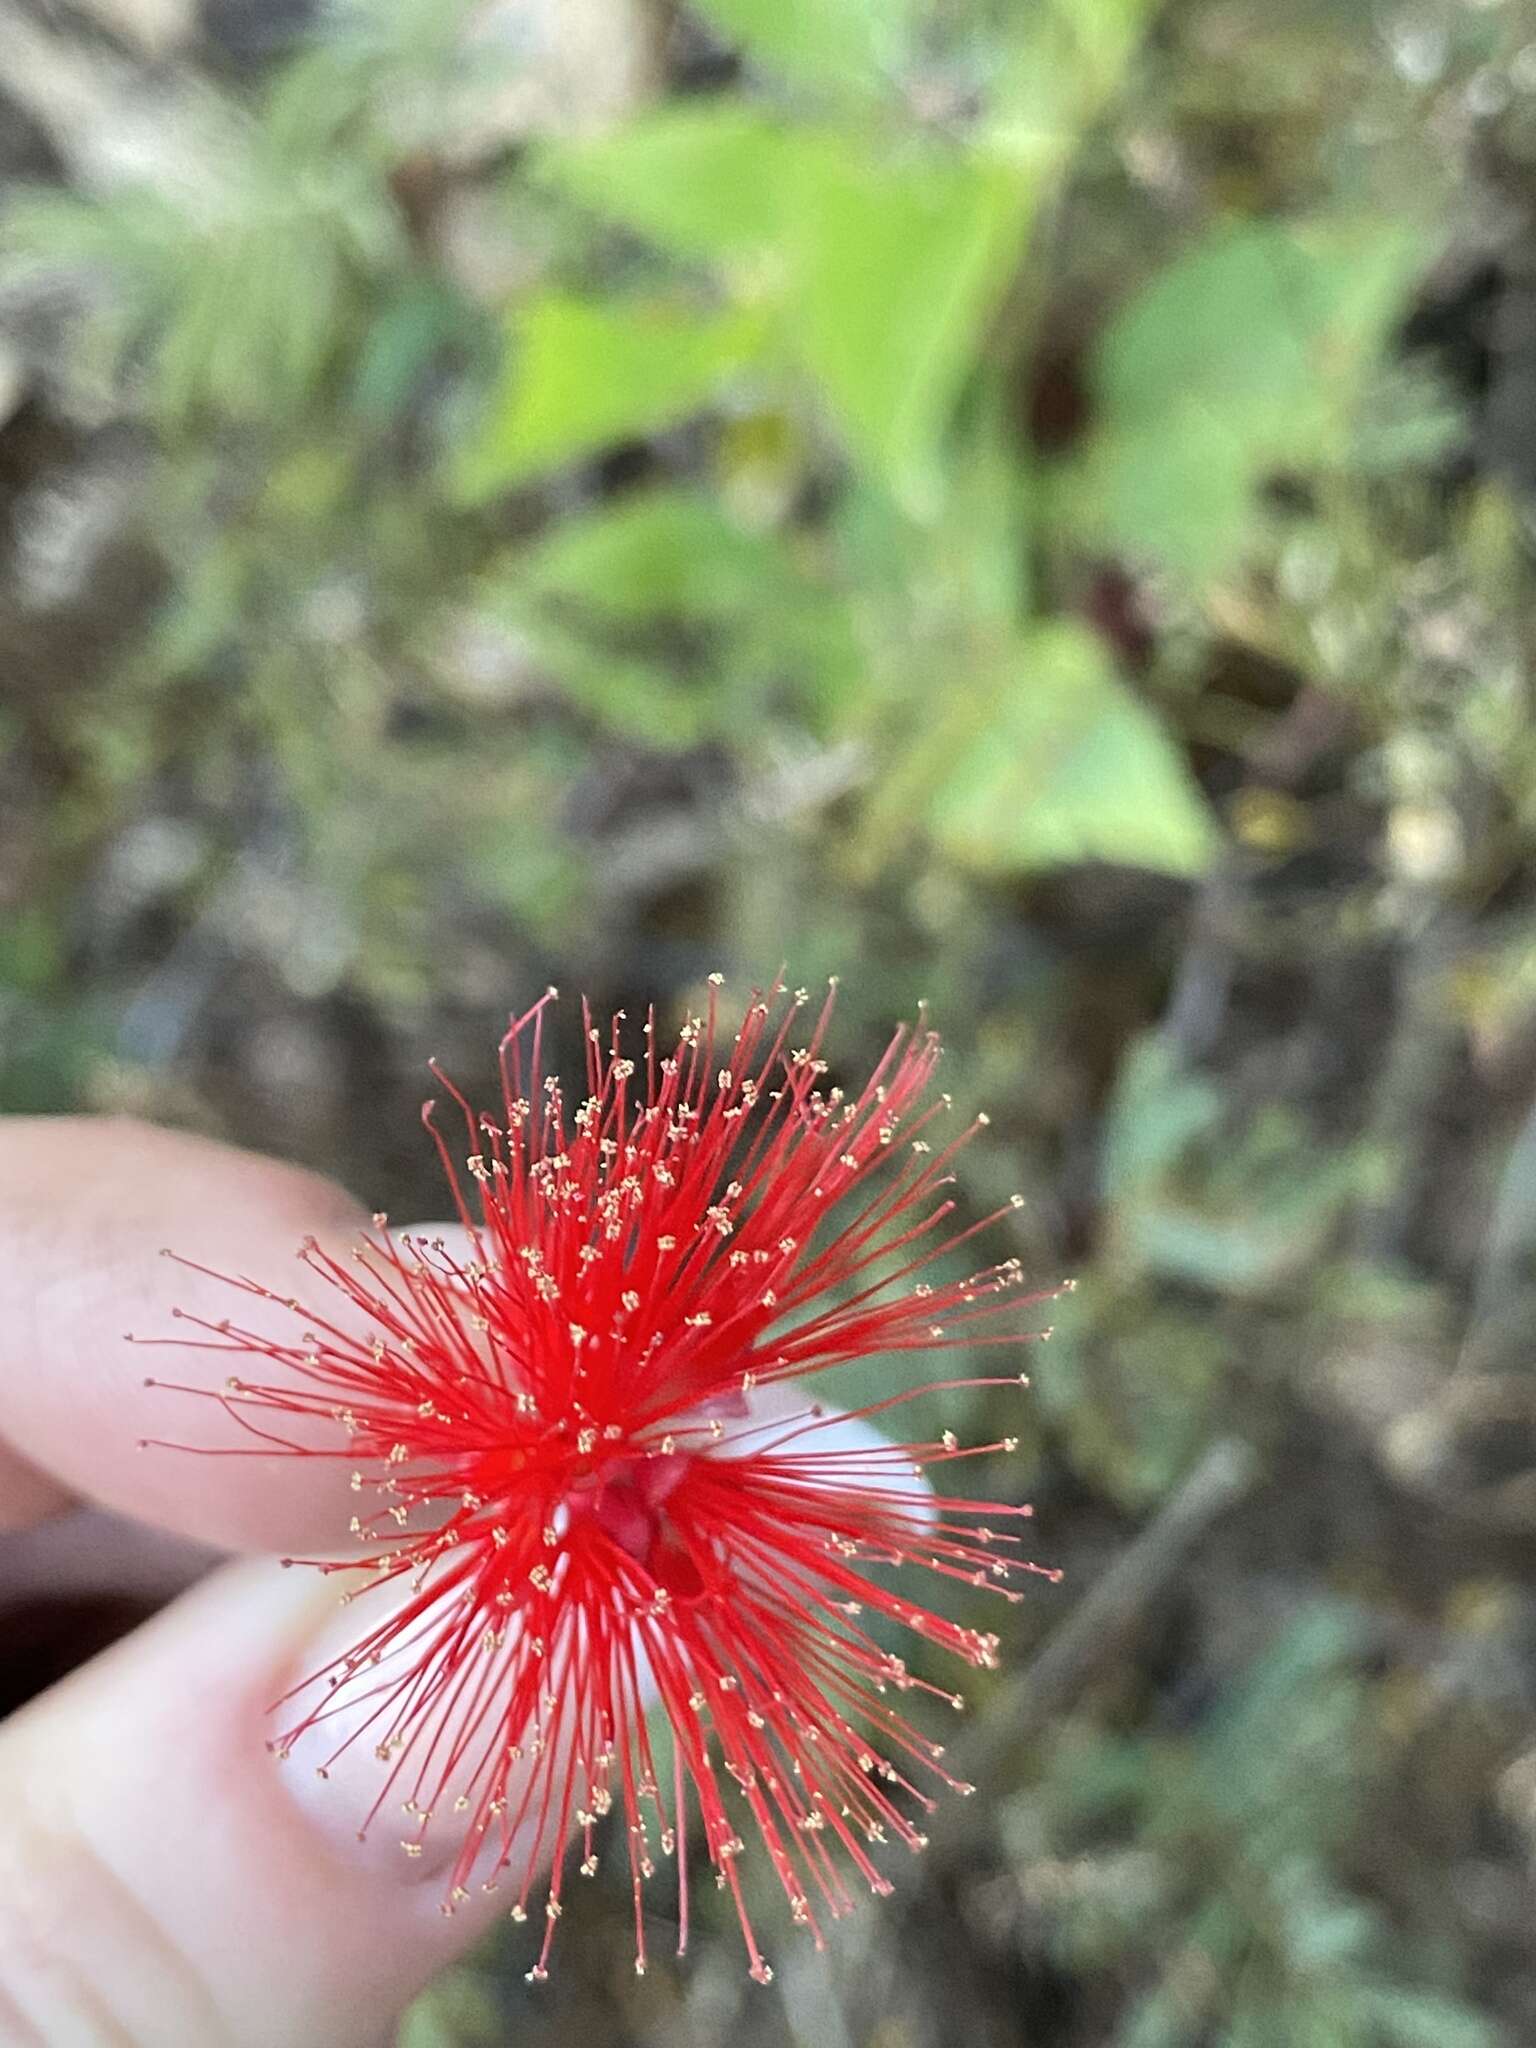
{"x":1026,"y":507}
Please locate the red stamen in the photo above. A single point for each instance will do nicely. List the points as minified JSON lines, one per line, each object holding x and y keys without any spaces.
{"x":568,"y":1406}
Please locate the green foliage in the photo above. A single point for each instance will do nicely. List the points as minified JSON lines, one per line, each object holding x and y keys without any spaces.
{"x":1133,"y":1386}
{"x":458,"y":2011}
{"x":893,"y":268}
{"x":705,"y":182}
{"x":604,"y":593}
{"x":1191,"y":1199}
{"x":833,"y":46}
{"x":582,"y":376}
{"x":1241,"y":359}
{"x":239,"y":290}
{"x":1069,"y":57}
{"x":1233,"y":1904}
{"x":881,"y":264}
{"x":1030,"y":787}
{"x":820,"y":278}
{"x":861,"y":260}
{"x":1200,"y":1200}
{"x":49,"y":1044}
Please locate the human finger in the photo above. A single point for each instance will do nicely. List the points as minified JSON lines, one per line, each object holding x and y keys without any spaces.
{"x":86,"y":1204}
{"x":160,"y":1883}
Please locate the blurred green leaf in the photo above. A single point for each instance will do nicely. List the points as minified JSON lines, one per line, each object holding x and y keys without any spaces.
{"x":1188,"y":1200}
{"x":48,"y":1049}
{"x":1065,"y":58}
{"x":31,"y":955}
{"x":981,"y":540}
{"x":1132,"y":1388}
{"x":839,"y":46}
{"x":1243,"y":356}
{"x":625,"y":693}
{"x":1159,"y":1109}
{"x":1410,"y":2018}
{"x":897,"y":264}
{"x":657,"y":552}
{"x":1067,"y":765}
{"x":581,"y":374}
{"x":1239,"y":1256}
{"x":670,"y":565}
{"x":399,"y":346}
{"x":883,"y":266}
{"x":1251,"y":321}
{"x":516,"y":859}
{"x":1293,"y":1709}
{"x":231,"y":294}
{"x":458,"y":2010}
{"x":706,"y":182}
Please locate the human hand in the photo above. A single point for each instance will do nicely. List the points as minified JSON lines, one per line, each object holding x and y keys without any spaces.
{"x":161,"y":1886}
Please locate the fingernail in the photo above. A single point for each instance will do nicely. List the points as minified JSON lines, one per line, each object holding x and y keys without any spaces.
{"x":335,"y":1735}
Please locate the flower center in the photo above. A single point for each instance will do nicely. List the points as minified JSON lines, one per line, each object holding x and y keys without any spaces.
{"x":627,"y":1499}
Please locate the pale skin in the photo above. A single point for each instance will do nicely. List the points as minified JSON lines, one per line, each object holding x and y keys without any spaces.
{"x":163,"y":1882}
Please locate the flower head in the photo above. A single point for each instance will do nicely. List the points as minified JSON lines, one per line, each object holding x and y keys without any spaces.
{"x":587,"y":1469}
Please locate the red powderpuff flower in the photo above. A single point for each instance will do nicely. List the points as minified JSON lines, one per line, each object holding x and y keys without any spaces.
{"x":578,"y":1502}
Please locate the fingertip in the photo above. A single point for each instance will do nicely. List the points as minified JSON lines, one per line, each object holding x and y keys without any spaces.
{"x":150,"y":1766}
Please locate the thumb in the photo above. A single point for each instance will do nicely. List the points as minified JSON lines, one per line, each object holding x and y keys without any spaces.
{"x":163,"y":1885}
